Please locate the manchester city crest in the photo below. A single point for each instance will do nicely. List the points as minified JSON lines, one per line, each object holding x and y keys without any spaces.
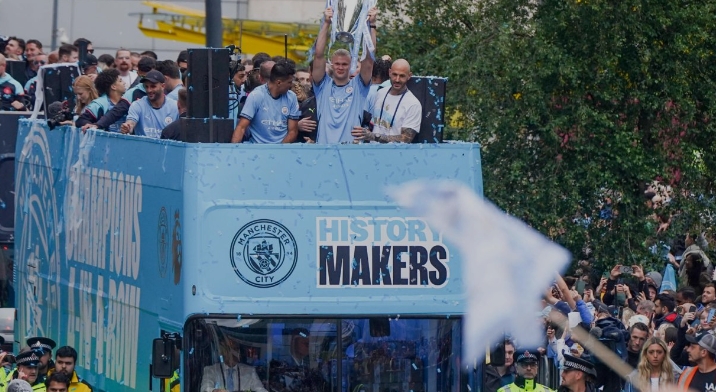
{"x":284,"y":110}
{"x":264,"y":253}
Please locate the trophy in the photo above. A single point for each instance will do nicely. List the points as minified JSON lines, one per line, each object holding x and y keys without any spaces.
{"x":346,"y":14}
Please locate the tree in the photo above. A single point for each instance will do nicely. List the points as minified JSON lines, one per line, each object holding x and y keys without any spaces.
{"x":578,"y":104}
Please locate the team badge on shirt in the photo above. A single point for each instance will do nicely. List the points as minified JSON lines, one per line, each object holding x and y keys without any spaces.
{"x":349,"y":90}
{"x":167,"y":120}
{"x":284,"y":110}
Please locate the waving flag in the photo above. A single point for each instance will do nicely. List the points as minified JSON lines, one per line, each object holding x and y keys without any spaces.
{"x":509,"y":265}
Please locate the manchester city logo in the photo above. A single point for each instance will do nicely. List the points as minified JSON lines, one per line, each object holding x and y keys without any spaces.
{"x":168,"y":120}
{"x":264,"y":253}
{"x":284,"y":110}
{"x":349,"y":90}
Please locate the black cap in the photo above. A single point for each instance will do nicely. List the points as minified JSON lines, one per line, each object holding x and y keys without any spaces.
{"x":29,"y":358}
{"x":572,"y":362}
{"x":526,"y":356}
{"x":601,"y":307}
{"x":153,"y":76}
{"x":183,"y":56}
{"x":40,"y":343}
{"x":90,"y":60}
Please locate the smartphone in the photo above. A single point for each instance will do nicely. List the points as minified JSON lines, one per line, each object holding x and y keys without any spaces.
{"x":580,"y":286}
{"x":692,"y":309}
{"x":625,"y":269}
{"x":712,"y":311}
{"x":680,"y":310}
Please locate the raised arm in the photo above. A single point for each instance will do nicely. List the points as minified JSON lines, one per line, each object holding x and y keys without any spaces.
{"x":319,"y":62}
{"x":366,"y":66}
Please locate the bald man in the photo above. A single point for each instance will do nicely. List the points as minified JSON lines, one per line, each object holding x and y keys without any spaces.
{"x":396,"y":112}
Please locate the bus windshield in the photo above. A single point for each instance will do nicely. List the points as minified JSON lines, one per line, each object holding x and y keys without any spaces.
{"x":323,"y":354}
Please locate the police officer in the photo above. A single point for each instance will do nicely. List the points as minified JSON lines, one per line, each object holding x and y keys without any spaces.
{"x":43,"y":347}
{"x":527,"y":363}
{"x":578,"y":375}
{"x":27,"y":369}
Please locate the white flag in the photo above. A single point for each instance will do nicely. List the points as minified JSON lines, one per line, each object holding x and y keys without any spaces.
{"x":507,"y":265}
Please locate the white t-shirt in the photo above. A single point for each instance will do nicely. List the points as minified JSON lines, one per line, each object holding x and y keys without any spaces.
{"x":129,"y":79}
{"x":388,"y":108}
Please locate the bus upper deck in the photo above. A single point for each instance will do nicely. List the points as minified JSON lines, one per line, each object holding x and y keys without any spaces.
{"x":250,"y":252}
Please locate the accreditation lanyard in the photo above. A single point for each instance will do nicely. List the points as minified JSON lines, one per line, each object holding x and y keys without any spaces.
{"x":395,"y":113}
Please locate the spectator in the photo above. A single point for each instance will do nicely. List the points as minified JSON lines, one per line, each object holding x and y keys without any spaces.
{"x":79,"y":41}
{"x":135,"y":60}
{"x":145,"y":65}
{"x":708,"y":295}
{"x":645,"y":308}
{"x":265,"y":70}
{"x":340,"y":101}
{"x":19,"y":385}
{"x":31,"y":85}
{"x":65,"y":361}
{"x":248,"y":64}
{"x":404,"y":122}
{"x":278,"y":124}
{"x":106,"y":61}
{"x":59,"y":382}
{"x":38,"y":60}
{"x":638,"y":334}
{"x":303,"y":77}
{"x":664,"y":306}
{"x":90,"y":66}
{"x":53,"y":57}
{"x":32,"y":49}
{"x":173,"y":130}
{"x":260,"y":58}
{"x":654,"y":370}
{"x":695,"y":269}
{"x":110,"y":89}
{"x":85,"y":92}
{"x":170,"y":70}
{"x":123,"y":63}
{"x":686,"y":295}
{"x":11,"y":92}
{"x":149,"y":115}
{"x":13,"y":50}
{"x":68,"y":54}
{"x":149,"y":53}
{"x":702,"y":353}
{"x":183,"y":60}
{"x":507,"y":371}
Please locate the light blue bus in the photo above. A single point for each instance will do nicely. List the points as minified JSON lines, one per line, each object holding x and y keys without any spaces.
{"x":281,"y":268}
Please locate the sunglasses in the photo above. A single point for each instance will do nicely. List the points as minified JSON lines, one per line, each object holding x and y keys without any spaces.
{"x":90,"y":51}
{"x":39,"y":62}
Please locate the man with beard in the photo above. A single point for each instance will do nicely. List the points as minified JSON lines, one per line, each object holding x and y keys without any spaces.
{"x":149,"y":115}
{"x":123,"y":63}
{"x":65,"y":361}
{"x":702,"y":353}
{"x":396,"y":112}
{"x":45,"y":347}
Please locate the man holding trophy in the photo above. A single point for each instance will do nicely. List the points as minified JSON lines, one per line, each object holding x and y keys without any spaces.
{"x":340,"y":100}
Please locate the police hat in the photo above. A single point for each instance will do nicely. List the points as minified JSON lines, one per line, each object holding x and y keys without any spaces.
{"x":572,"y":362}
{"x":40,"y":343}
{"x":29,"y":358}
{"x":526,"y":356}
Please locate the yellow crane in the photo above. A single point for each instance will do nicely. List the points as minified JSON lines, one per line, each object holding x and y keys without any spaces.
{"x":178,"y":23}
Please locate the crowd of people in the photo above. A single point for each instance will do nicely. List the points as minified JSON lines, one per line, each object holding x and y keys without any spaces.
{"x":664,"y":333}
{"x":33,"y":370}
{"x":272,"y":100}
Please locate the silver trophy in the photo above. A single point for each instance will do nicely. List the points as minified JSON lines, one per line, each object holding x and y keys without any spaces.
{"x":346,"y":13}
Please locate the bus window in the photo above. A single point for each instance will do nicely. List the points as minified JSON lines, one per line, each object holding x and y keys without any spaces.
{"x":317,"y":354}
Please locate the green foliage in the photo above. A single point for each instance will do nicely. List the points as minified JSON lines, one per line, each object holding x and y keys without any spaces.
{"x":575,"y":103}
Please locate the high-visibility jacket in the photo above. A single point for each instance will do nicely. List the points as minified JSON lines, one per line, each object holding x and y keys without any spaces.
{"x":36,"y":387}
{"x":77,"y":384}
{"x":172,"y":384}
{"x":686,"y":376}
{"x":515,"y":388}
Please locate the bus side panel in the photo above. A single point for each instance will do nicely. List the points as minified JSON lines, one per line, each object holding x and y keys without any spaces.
{"x":311,"y":230}
{"x":99,"y":252}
